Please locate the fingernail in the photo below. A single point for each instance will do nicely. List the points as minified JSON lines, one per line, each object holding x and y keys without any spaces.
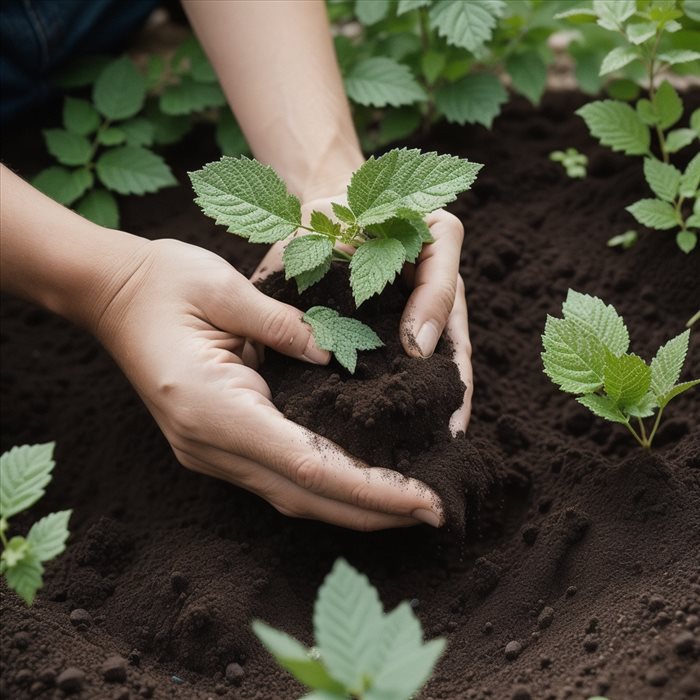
{"x":312,"y":353}
{"x":427,"y":339}
{"x":429,"y":517}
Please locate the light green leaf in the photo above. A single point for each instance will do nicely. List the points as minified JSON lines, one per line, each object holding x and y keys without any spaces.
{"x":667,"y":105}
{"x":47,"y":537}
{"x":624,"y":240}
{"x":654,"y":213}
{"x":371,"y":11}
{"x":407,"y":179}
{"x":640,"y":32}
{"x":306,"y":253}
{"x":79,"y":116}
{"x":133,"y":170}
{"x":692,"y":9}
{"x":138,"y":131}
{"x":577,"y":14}
{"x":64,"y":186}
{"x":120,"y":91}
{"x":343,"y":213}
{"x":693,"y":221}
{"x":405,"y":231}
{"x":190,"y":96}
{"x":528,"y":73}
{"x":691,"y":177}
{"x":618,"y":58}
{"x":686,"y":241}
{"x":166,"y":129}
{"x":25,"y":578}
{"x":100,"y":207}
{"x":613,"y":13}
{"x":67,"y":148}
{"x":111,"y":137}
{"x":25,"y":472}
{"x":617,"y":125}
{"x":679,"y":56}
{"x":374,"y":265}
{"x":308,"y":279}
{"x":381,"y":81}
{"x":627,"y":379}
{"x":646,"y":112}
{"x":14,"y":552}
{"x":247,"y":197}
{"x":667,"y":364}
{"x":468,"y":25}
{"x":475,"y":99}
{"x":400,"y":633}
{"x":598,"y":319}
{"x":323,"y":224}
{"x":676,"y":391}
{"x":663,"y":178}
{"x":643,"y":408}
{"x":603,"y":407}
{"x":190,"y":57}
{"x":408,"y":5}
{"x":695,"y":119}
{"x":155,"y":71}
{"x":230,"y":137}
{"x":679,"y":138}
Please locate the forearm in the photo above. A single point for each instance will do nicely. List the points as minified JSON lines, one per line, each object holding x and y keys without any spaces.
{"x":58,"y":259}
{"x":277,"y":66}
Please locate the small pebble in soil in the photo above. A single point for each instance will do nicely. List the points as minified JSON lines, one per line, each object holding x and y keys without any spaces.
{"x":571,"y":591}
{"x":220,"y":689}
{"x":71,"y":680}
{"x":47,"y":676}
{"x":234,"y":673}
{"x":657,"y":676}
{"x":684,"y":643}
{"x":656,"y":602}
{"x":513,"y":650}
{"x":590,"y":643}
{"x":23,"y":676}
{"x":113,"y":669}
{"x":545,"y":618}
{"x":487,"y":628}
{"x":80,"y":618}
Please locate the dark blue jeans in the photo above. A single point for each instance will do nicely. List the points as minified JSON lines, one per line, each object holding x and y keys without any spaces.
{"x":38,"y":36}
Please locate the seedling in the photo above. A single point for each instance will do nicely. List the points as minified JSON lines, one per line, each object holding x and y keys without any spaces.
{"x":585,"y":353}
{"x":25,"y":472}
{"x":572,"y":161}
{"x":383,"y":222}
{"x":360,"y":651}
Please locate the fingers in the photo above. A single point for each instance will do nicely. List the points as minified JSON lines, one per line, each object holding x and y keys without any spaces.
{"x":457,"y":329}
{"x":432,"y":299}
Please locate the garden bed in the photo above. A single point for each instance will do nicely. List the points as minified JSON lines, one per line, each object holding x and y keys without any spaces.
{"x":582,"y":559}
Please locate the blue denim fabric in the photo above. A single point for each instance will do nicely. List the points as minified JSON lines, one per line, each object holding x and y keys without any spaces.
{"x":38,"y":36}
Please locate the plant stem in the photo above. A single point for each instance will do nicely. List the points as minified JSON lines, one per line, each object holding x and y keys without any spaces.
{"x":655,"y":428}
{"x":693,"y":319}
{"x":652,"y":94}
{"x":342,"y":255}
{"x":642,"y":429}
{"x":636,"y":437}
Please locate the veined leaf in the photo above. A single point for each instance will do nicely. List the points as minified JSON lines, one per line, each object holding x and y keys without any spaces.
{"x":676,"y":391}
{"x":408,"y":5}
{"x":474,"y":99}
{"x":686,"y":241}
{"x":617,"y":125}
{"x":138,"y":131}
{"x":691,"y":178}
{"x":603,"y":407}
{"x":627,"y":379}
{"x":667,"y":364}
{"x":25,"y":578}
{"x":120,"y":90}
{"x":654,"y":213}
{"x":663,"y":178}
{"x":25,"y":472}
{"x":613,"y":13}
{"x":468,"y":25}
{"x":100,"y":207}
{"x":47,"y":537}
{"x":679,"y":139}
{"x":68,"y":148}
{"x":381,"y":81}
{"x":305,"y":280}
{"x":190,"y":96}
{"x":640,"y":32}
{"x":62,"y":185}
{"x":323,"y":224}
{"x":374,"y":265}
{"x":679,"y":56}
{"x":133,"y":170}
{"x":79,"y":116}
{"x":306,"y":253}
{"x":528,"y":73}
{"x":667,"y":105}
{"x":598,"y":319}
{"x":618,"y":58}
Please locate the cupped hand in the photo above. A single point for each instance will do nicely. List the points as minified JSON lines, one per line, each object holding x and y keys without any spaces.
{"x":437,"y":303}
{"x":181,"y":328}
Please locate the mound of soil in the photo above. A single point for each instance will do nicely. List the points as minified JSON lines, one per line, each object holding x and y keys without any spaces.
{"x":577,"y":575}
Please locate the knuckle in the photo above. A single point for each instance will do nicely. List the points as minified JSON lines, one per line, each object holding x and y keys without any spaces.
{"x":445,"y":298}
{"x":280,"y":327}
{"x":307,"y":474}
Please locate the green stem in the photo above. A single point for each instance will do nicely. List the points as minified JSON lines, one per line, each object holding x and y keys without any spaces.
{"x":642,"y":429}
{"x":636,"y":437}
{"x":655,"y":428}
{"x":693,"y":319}
{"x":3,"y":539}
{"x":652,"y":94}
{"x":342,"y":255}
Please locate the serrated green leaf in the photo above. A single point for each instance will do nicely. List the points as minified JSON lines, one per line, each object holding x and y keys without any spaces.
{"x":25,"y":471}
{"x":624,"y":240}
{"x":247,"y":197}
{"x":693,"y":221}
{"x":676,"y":391}
{"x":528,"y":72}
{"x":627,"y":379}
{"x":695,"y":120}
{"x":133,"y":170}
{"x":468,"y":25}
{"x":644,"y":408}
{"x":67,"y":148}
{"x":64,"y":186}
{"x":432,"y":64}
{"x":296,"y":658}
{"x":640,"y":32}
{"x":654,"y":213}
{"x":667,"y":105}
{"x":120,"y":90}
{"x":308,"y":279}
{"x":679,"y":138}
{"x":79,"y":116}
{"x":25,"y":578}
{"x":374,"y":265}
{"x":407,"y":179}
{"x":381,"y":81}
{"x":679,"y":56}
{"x":371,"y":11}
{"x":617,"y":125}
{"x":47,"y":537}
{"x":691,"y":177}
{"x":692,"y":9}
{"x":618,"y":58}
{"x":343,"y":213}
{"x":599,"y":319}
{"x":100,"y":207}
{"x":406,"y":232}
{"x":475,"y":99}
{"x":613,"y":13}
{"x":408,"y":5}
{"x":14,"y":552}
{"x":603,"y":407}
{"x":645,"y":111}
{"x":138,"y":131}
{"x":166,"y":129}
{"x":686,"y":241}
{"x":190,"y":96}
{"x":111,"y":137}
{"x":667,"y":365}
{"x":229,"y":136}
{"x":322,"y":223}
{"x":577,"y":14}
{"x":663,"y":178}
{"x":306,"y":253}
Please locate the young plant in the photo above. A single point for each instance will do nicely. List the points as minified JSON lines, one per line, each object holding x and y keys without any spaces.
{"x":585,"y":353}
{"x":572,"y":161}
{"x":361,"y":652}
{"x":643,"y":28}
{"x":383,"y":221}
{"x":24,"y":474}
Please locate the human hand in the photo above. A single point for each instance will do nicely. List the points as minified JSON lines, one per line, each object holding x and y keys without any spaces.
{"x":181,"y":328}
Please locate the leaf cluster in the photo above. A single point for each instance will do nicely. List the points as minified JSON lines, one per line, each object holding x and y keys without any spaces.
{"x":586,"y":353}
{"x":25,"y":472}
{"x":361,"y":651}
{"x":573,"y":162}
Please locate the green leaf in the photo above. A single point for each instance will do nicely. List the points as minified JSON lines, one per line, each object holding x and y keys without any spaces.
{"x":199,"y":67}
{"x":249,"y":198}
{"x":640,"y":32}
{"x":695,"y":121}
{"x":643,"y":408}
{"x":577,"y":14}
{"x":306,"y":253}
{"x":613,"y":13}
{"x":111,"y":137}
{"x":190,"y":96}
{"x":624,"y":240}
{"x":321,"y":223}
{"x":398,"y":124}
{"x":603,"y":407}
{"x":63,"y":186}
{"x":468,"y":25}
{"x":100,"y":207}
{"x":406,"y":232}
{"x":663,"y":178}
{"x":627,"y":379}
{"x":667,"y":365}
{"x":599,"y":319}
{"x":475,"y":99}
{"x":645,"y":111}
{"x":618,"y":58}
{"x":25,"y":472}
{"x":679,"y":56}
{"x":623,"y":89}
{"x":380,"y":81}
{"x":25,"y":578}
{"x":691,"y":177}
{"x":295,"y":658}
{"x":120,"y":91}
{"x":308,"y":279}
{"x":374,"y":265}
{"x":679,"y":138}
{"x":138,"y":131}
{"x":67,"y":148}
{"x":617,"y":125}
{"x":676,"y":391}
{"x":166,"y":129}
{"x":528,"y":73}
{"x":47,"y":537}
{"x":654,"y":213}
{"x":133,"y":170}
{"x":155,"y":71}
{"x":686,"y":241}
{"x":432,"y":64}
{"x":667,"y":105}
{"x":692,"y":9}
{"x":343,"y":213}
{"x":407,"y":179}
{"x":16,"y":550}
{"x":693,"y":221}
{"x":229,"y":136}
{"x":400,"y":633}
{"x":343,"y":337}
{"x":371,"y":11}
{"x":408,"y":5}
{"x":79,"y":116}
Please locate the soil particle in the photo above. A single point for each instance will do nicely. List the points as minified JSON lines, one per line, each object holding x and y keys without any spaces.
{"x":235,"y":673}
{"x":657,"y":676}
{"x":513,"y":650}
{"x":113,"y":670}
{"x":545,"y":618}
{"x":71,"y":680}
{"x":80,"y":618}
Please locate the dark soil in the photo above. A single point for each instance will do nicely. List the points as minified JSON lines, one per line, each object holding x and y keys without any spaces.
{"x":579,"y":574}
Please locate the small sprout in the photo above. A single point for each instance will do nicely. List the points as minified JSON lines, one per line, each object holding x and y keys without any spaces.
{"x":693,"y":319}
{"x":624,"y":240}
{"x":572,"y":160}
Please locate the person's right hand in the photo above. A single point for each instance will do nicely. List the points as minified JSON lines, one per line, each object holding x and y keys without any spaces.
{"x":178,"y":327}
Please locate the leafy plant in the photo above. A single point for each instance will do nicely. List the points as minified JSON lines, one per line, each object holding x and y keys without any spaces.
{"x":643,"y":27}
{"x":572,"y":161}
{"x":586,"y":353}
{"x":383,"y":221}
{"x":25,"y":472}
{"x":361,"y":652}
